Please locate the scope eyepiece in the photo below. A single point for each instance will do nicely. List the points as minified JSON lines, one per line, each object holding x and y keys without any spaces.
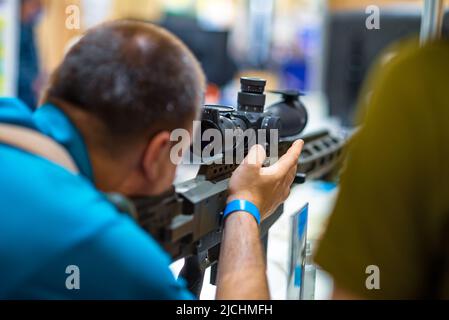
{"x":251,"y":98}
{"x":253,"y":85}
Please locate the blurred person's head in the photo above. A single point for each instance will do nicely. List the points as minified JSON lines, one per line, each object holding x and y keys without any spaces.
{"x":29,"y":10}
{"x":126,"y":85}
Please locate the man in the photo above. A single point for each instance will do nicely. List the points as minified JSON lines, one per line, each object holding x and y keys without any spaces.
{"x":112,"y":104}
{"x":388,"y":235}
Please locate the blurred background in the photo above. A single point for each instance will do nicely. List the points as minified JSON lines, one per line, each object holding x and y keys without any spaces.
{"x":320,"y":47}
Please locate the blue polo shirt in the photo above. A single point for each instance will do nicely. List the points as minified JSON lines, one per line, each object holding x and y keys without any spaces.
{"x":56,"y":228}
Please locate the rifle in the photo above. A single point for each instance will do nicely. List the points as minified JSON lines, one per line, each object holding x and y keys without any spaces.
{"x":187,"y":220}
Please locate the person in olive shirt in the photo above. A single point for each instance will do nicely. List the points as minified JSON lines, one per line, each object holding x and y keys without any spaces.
{"x":393,"y":208}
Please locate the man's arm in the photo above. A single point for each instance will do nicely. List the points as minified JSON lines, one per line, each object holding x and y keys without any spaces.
{"x":242,"y":262}
{"x":241,"y":273}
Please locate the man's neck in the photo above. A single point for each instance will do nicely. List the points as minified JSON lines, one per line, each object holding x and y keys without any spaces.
{"x":109,"y":174}
{"x":109,"y":170}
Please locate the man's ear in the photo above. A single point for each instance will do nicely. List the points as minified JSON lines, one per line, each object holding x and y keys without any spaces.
{"x":156,"y":155}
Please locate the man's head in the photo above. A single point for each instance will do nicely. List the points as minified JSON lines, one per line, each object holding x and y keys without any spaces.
{"x":126,"y":85}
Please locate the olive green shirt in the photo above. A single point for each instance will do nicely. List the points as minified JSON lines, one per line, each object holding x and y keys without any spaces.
{"x":393,"y":208}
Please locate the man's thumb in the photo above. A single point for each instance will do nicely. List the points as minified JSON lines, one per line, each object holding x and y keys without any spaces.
{"x":256,"y":156}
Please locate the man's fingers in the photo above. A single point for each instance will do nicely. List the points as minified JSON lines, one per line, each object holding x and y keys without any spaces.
{"x":290,"y":159}
{"x":256,"y":156}
{"x":295,"y":151}
{"x":287,"y":162}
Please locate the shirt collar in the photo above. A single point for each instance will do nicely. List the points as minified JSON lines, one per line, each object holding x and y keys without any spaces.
{"x":13,"y":111}
{"x":54,"y":123}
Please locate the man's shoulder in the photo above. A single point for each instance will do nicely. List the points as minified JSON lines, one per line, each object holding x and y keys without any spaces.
{"x":13,"y":103}
{"x":49,"y":214}
{"x":43,"y":199}
{"x":45,"y":208}
{"x":14,"y":111}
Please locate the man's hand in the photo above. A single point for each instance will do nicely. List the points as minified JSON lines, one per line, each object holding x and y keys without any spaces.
{"x":267,"y":187}
{"x":241,"y":273}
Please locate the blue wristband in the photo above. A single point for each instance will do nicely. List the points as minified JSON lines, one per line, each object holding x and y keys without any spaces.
{"x":242,"y":205}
